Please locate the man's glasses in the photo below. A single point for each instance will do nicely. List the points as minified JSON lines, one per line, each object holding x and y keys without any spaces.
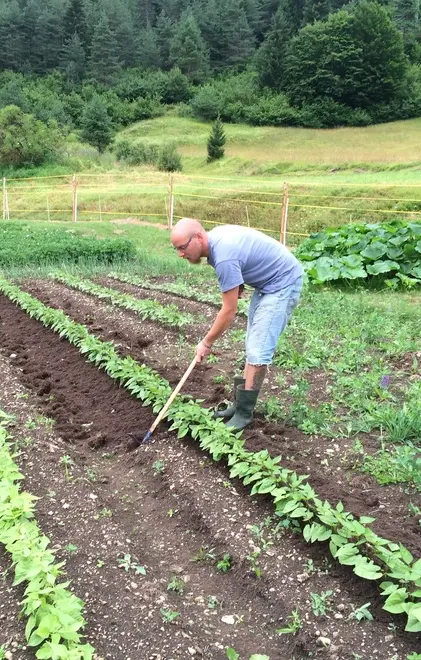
{"x":181,"y":248}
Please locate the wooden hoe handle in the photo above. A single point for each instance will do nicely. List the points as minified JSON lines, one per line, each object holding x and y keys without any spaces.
{"x":171,"y":399}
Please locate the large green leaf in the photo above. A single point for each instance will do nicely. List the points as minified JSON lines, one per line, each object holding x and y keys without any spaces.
{"x":374,"y":251}
{"x":382,"y":267}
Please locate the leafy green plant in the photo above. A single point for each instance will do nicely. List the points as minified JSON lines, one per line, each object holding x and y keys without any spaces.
{"x":205,"y":553}
{"x":166,"y":314}
{"x":224,"y":564}
{"x":320,"y":603}
{"x":361,"y":613}
{"x":176,"y":584}
{"x":295,"y":624}
{"x":54,"y":613}
{"x":254,"y":563}
{"x":128,"y":564}
{"x":67,"y":462}
{"x":168,"y":615}
{"x":71,"y":548}
{"x":388,"y":253}
{"x":158,"y":466}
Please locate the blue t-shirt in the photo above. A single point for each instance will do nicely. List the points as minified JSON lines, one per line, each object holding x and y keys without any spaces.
{"x":241,"y":255}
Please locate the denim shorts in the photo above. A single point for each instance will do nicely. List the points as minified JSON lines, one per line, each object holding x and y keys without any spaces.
{"x":268,"y":317}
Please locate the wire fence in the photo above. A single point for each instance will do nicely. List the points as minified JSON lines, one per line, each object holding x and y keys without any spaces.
{"x":288,"y":210}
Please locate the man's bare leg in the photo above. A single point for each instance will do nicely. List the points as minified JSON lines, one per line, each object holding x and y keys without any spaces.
{"x":254,"y":375}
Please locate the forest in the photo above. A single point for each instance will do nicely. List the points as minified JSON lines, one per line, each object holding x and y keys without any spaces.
{"x":312,"y":63}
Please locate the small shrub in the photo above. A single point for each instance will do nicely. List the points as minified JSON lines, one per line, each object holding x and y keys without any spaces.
{"x":169,"y":160}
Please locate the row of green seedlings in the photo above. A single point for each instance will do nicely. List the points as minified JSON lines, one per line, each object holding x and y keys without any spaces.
{"x":352,"y":542}
{"x":54,"y":613}
{"x":178,"y":289}
{"x":147,"y":309}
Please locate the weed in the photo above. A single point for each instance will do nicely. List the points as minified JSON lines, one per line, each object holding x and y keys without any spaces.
{"x":100,"y":563}
{"x":172,"y":512}
{"x":158,"y":466}
{"x":295,"y":624}
{"x":67,"y":463}
{"x":320,"y":603}
{"x":205,"y":553}
{"x":212,"y":358}
{"x":2,"y":652}
{"x":224,"y":564}
{"x":71,"y":548}
{"x":128,"y":564}
{"x":218,"y":379}
{"x":254,"y":564}
{"x":168,"y":616}
{"x":214,"y":602}
{"x":309,"y":567}
{"x":104,"y":513}
{"x":258,"y":531}
{"x":176,"y":584}
{"x":91,"y":475}
{"x":362,"y":613}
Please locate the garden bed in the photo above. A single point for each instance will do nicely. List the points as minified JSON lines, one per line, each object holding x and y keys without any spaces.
{"x":166,"y":504}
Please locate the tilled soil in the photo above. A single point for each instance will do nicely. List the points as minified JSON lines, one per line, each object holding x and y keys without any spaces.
{"x":114,"y":502}
{"x":324,"y":459}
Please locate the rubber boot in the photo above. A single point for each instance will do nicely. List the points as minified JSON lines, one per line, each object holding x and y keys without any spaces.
{"x":245,"y":404}
{"x":229,"y":412}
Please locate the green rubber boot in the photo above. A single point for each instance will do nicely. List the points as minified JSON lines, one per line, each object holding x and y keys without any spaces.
{"x":228,"y":412}
{"x":245,"y":404}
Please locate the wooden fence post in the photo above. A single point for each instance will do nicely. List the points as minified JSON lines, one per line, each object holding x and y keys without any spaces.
{"x":171,"y":203}
{"x":4,"y":198}
{"x":74,"y":205}
{"x":284,"y":217}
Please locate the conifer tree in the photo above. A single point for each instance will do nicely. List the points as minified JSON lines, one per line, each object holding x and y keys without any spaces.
{"x":96,"y":124}
{"x":148,"y":54}
{"x":271,"y":57}
{"x":49,"y":36}
{"x":73,"y":59}
{"x":75,"y":21}
{"x":315,"y":10}
{"x":188,"y":50}
{"x":164,"y":30}
{"x":216,"y":141}
{"x":103,"y":64}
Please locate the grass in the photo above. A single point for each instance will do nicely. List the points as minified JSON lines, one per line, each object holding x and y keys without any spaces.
{"x":334,"y":176}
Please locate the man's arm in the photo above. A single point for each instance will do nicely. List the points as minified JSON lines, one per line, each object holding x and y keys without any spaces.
{"x":222,"y":322}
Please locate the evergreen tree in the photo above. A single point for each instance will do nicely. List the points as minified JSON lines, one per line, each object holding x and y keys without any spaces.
{"x":188,"y":50}
{"x":103,"y":64}
{"x":49,"y":36}
{"x":75,"y":21}
{"x":164,"y":30}
{"x":28,"y":30}
{"x":227,"y":34}
{"x":96,"y":124}
{"x":315,"y":10}
{"x":148,"y":54}
{"x":271,"y":57}
{"x":73,"y":60}
{"x":12,"y":49}
{"x":216,"y":141}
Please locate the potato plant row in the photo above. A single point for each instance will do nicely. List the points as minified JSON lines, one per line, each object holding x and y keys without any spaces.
{"x":147,"y":309}
{"x":54,"y":613}
{"x":179,"y":290}
{"x":352,"y":542}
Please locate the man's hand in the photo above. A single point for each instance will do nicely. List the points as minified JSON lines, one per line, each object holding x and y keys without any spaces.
{"x":203,"y":350}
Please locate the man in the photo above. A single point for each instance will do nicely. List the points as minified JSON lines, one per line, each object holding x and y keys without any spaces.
{"x":241,"y":255}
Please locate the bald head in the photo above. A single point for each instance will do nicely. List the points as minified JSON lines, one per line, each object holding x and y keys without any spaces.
{"x":190,"y":240}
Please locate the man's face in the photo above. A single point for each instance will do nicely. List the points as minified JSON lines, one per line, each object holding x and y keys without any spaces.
{"x":188,"y":248}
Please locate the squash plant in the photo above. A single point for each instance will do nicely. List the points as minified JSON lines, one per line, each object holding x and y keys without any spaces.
{"x":386,"y":253}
